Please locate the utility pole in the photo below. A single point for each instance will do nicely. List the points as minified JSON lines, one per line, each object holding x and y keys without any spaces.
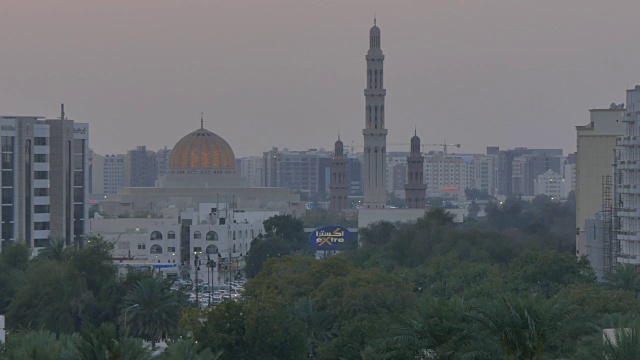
{"x":195,"y":264}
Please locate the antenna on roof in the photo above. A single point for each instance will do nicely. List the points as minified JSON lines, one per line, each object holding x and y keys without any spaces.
{"x":62,"y":112}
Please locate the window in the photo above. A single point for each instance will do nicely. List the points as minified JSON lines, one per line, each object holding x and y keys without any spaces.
{"x":212,"y":236}
{"x":156,"y":249}
{"x":197,"y":235}
{"x":41,"y":209}
{"x":156,"y":235}
{"x":212,"y":249}
{"x":7,"y":178}
{"x":41,"y":225}
{"x":171,"y":235}
{"x":41,"y":175}
{"x":42,"y":141}
{"x":41,"y":192}
{"x":40,"y":158}
{"x":171,"y":249}
{"x":142,"y":246}
{"x":197,"y":249}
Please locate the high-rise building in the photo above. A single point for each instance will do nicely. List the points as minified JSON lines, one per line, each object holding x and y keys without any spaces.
{"x":140,"y":168}
{"x":162,"y":162}
{"x":415,"y":189}
{"x":44,"y":179}
{"x":113,"y":173}
{"x":252,"y":169}
{"x":627,"y":200}
{"x":96,"y":173}
{"x":593,"y":172}
{"x":375,"y":134}
{"x":339,"y":182}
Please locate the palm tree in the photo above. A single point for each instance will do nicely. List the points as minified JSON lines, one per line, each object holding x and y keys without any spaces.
{"x":315,"y":322}
{"x":104,"y":344}
{"x":621,"y":343}
{"x":527,"y":327}
{"x":55,"y":250}
{"x":434,"y":331}
{"x":188,"y":350}
{"x":157,"y":312}
{"x":623,"y":277}
{"x":42,"y":345}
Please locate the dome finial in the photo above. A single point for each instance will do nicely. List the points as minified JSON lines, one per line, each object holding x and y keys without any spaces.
{"x":374,"y":19}
{"x":201,"y":120}
{"x":415,"y":130}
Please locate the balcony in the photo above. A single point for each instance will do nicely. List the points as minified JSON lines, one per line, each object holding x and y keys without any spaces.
{"x":628,"y":140}
{"x":629,"y":165}
{"x":628,"y":189}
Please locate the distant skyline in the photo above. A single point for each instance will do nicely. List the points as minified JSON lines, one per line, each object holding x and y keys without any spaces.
{"x":291,"y":73}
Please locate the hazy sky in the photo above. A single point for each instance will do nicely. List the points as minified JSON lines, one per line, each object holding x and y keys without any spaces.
{"x":292,"y":73}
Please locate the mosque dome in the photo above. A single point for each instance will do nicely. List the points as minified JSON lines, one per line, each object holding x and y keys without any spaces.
{"x":202,"y":149}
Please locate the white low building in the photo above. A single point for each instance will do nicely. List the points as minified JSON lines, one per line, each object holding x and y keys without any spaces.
{"x":178,"y":244}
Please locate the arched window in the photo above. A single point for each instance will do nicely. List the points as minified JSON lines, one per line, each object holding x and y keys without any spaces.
{"x":171,"y":235}
{"x":234,"y":247}
{"x":197,"y":235}
{"x":212,"y":236}
{"x":246,"y":234}
{"x":212,"y":249}
{"x":252,"y":234}
{"x":234,"y":234}
{"x":156,"y":235}
{"x":156,"y":249}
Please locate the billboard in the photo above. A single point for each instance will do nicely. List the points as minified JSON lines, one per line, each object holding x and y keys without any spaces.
{"x":332,"y":238}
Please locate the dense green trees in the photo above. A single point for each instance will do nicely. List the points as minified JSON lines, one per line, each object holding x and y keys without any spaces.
{"x":503,"y":289}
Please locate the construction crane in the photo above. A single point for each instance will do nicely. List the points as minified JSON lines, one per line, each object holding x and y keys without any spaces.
{"x":444,"y":146}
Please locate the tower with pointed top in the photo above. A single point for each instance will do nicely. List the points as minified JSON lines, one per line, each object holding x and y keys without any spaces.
{"x":375,"y":134}
{"x":338,"y":184}
{"x":415,"y":188}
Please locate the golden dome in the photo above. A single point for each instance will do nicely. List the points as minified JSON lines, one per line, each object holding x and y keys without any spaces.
{"x":202,"y":149}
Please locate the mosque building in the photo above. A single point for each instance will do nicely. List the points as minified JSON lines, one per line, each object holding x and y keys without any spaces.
{"x":202,"y":169}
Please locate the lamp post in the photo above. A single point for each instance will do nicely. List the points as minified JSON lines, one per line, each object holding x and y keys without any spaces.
{"x":210,"y":265}
{"x":196,"y":264}
{"x":125,"y":316}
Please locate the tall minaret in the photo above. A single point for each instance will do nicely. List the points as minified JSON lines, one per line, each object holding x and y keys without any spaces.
{"x":415,"y":189}
{"x":375,"y":135}
{"x":338,"y":185}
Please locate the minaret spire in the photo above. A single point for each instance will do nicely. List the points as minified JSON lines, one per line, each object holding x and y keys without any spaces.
{"x":375,"y":132}
{"x":201,"y":120}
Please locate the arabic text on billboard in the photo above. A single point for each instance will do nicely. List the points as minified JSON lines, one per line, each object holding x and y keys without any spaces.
{"x":330,"y":238}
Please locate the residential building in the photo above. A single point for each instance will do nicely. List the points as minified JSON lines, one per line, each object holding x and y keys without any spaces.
{"x":140,"y":168}
{"x":596,"y":142}
{"x":113,"y":173}
{"x":44,"y":180}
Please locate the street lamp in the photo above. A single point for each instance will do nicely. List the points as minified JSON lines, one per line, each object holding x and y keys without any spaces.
{"x":125,"y":316}
{"x":196,"y":264}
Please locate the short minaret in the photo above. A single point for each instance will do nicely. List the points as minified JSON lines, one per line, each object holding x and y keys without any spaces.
{"x":415,"y":188}
{"x":338,"y":185}
{"x":375,"y":134}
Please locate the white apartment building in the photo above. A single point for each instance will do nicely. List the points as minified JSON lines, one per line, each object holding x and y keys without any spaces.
{"x":171,"y":243}
{"x":549,"y":184}
{"x":627,"y":194}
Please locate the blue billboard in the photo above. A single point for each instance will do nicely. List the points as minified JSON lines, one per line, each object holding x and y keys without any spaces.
{"x":332,"y":238}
